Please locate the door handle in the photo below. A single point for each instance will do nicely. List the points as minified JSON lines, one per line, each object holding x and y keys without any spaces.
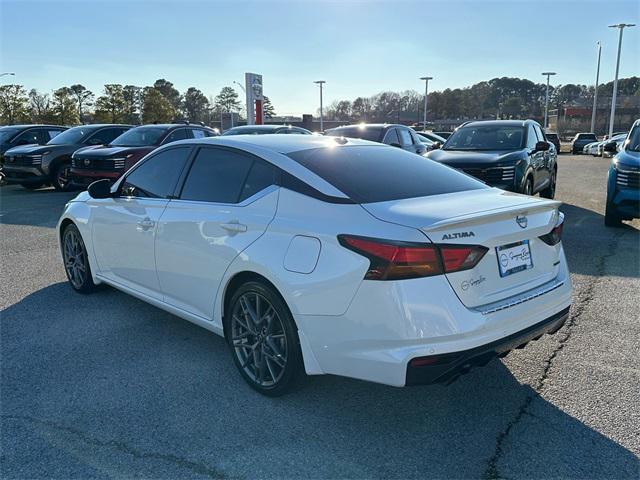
{"x":146,"y":224}
{"x":234,"y":227}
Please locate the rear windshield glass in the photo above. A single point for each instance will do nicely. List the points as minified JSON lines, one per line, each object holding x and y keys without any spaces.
{"x":587,"y":136}
{"x":370,"y":174}
{"x":357,"y":131}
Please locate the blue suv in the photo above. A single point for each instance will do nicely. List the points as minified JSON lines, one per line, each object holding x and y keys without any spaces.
{"x":623,"y":188}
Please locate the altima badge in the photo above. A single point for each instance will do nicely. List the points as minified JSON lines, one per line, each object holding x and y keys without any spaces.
{"x":521,"y":220}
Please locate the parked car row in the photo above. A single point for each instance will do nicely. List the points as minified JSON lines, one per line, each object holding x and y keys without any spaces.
{"x":74,"y":157}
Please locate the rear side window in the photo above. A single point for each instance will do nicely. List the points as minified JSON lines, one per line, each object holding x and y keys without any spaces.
{"x":261,"y":176}
{"x":158,"y":175}
{"x":391,"y":137}
{"x":179,"y":134}
{"x":224,"y":176}
{"x":405,"y":137}
{"x":368,"y":174}
{"x":107,"y":135}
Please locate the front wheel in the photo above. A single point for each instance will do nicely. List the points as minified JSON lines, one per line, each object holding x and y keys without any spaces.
{"x":528,"y":187}
{"x":263,"y":339}
{"x":61,"y":177}
{"x":550,"y":191}
{"x":611,"y":218}
{"x":76,"y":262}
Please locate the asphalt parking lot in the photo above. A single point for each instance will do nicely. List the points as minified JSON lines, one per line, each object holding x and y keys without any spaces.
{"x":107,"y":386}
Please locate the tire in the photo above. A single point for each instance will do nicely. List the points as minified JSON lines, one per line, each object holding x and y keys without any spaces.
{"x":550,"y":191}
{"x":528,"y":187}
{"x":76,"y":263}
{"x":611,"y":219}
{"x":31,"y":186}
{"x":263,"y":339}
{"x":61,"y":177}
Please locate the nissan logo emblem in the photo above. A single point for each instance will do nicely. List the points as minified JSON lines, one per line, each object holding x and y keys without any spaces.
{"x":521,"y":220}
{"x":87,"y":162}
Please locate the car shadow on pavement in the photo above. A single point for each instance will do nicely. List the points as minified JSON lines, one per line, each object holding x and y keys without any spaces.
{"x":588,"y":244}
{"x":106,"y":385}
{"x":39,"y":208}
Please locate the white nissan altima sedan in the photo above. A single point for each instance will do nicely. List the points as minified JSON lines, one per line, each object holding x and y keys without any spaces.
{"x":325,"y":256}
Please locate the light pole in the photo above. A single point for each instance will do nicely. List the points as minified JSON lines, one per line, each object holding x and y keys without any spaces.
{"x":7,"y":73}
{"x":321,"y":83}
{"x":546,"y":99}
{"x":426,"y":93}
{"x":595,"y":92}
{"x":621,"y":26}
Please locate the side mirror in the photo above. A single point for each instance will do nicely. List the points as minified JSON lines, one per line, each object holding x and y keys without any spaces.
{"x":22,"y":142}
{"x":100,"y":189}
{"x":541,"y":147}
{"x":436,"y":145}
{"x":96,"y":141}
{"x":394,"y":144}
{"x":611,"y":147}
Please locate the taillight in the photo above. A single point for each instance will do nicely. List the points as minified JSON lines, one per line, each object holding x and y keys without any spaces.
{"x":392,"y":260}
{"x":555,"y":235}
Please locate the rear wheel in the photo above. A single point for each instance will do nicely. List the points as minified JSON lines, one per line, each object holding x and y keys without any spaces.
{"x":263,"y":339}
{"x":61,"y":177}
{"x":611,"y":218}
{"x":76,"y":262}
{"x":550,"y":191}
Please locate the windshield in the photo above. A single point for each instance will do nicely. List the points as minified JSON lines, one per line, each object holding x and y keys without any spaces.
{"x":356,"y":131}
{"x":370,"y":174}
{"x":486,"y":137}
{"x":551,"y":136}
{"x":633,"y":140}
{"x":72,"y":136}
{"x":7,"y":133}
{"x":139,"y":137}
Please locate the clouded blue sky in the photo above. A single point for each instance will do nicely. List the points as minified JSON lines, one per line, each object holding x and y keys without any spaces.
{"x":358,"y":47}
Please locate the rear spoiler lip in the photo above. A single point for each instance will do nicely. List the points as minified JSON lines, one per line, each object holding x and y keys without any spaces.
{"x":522,"y":209}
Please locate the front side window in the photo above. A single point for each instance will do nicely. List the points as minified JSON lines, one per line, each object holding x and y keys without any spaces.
{"x":29,"y":137}
{"x":54,"y":133}
{"x":632,"y":143}
{"x":405,"y":137}
{"x":368,"y":174}
{"x":157,"y":176}
{"x":532,"y":139}
{"x":217,"y":175}
{"x":140,"y":137}
{"x":486,"y":137}
{"x":539,"y":133}
{"x":106,"y":136}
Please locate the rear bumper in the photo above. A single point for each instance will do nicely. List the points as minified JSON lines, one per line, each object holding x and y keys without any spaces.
{"x":389,"y":324}
{"x":448,"y":367}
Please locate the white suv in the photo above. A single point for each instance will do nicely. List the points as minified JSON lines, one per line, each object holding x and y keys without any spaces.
{"x":325,"y":255}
